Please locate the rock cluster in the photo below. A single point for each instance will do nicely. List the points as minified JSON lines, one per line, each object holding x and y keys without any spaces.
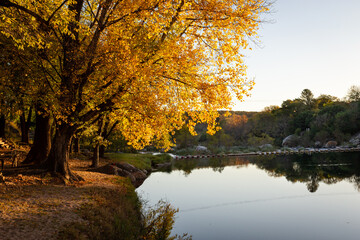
{"x":355,"y":140}
{"x":291,"y":141}
{"x":331,"y":144}
{"x":201,"y":149}
{"x":294,"y":141}
{"x":136,"y":175}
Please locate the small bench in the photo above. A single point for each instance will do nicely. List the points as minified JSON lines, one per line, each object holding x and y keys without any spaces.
{"x":9,"y":154}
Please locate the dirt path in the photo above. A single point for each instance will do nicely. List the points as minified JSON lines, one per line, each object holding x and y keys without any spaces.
{"x":36,"y":206}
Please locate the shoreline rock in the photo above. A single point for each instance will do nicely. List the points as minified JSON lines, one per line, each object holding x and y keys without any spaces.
{"x":355,"y":140}
{"x":136,"y":176}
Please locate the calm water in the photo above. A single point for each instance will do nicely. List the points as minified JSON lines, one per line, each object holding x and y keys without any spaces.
{"x":287,"y":197}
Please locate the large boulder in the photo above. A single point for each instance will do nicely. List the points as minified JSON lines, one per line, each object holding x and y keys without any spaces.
{"x":331,"y":144}
{"x":201,"y":149}
{"x":267,"y":146}
{"x":126,"y":166}
{"x":291,"y":141}
{"x":355,"y":140}
{"x":163,"y":165}
{"x":136,"y":176}
{"x":107,"y":169}
{"x":318,"y":144}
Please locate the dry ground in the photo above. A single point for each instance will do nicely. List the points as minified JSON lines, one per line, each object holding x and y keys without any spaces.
{"x":34,"y":205}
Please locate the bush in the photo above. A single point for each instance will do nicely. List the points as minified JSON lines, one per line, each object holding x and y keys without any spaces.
{"x":159,"y":221}
{"x":185,"y":151}
{"x":217,"y":150}
{"x":159,"y":158}
{"x":322,"y":136}
{"x":262,"y":140}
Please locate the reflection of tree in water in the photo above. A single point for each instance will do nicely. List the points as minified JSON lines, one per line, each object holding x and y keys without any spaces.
{"x":328,"y":168}
{"x":217,"y":164}
{"x":313,"y":185}
{"x":356,"y":181}
{"x":187,"y":165}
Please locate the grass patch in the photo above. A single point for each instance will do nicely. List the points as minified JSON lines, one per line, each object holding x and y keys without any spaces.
{"x":115,"y":214}
{"x":111,"y":214}
{"x":141,"y":161}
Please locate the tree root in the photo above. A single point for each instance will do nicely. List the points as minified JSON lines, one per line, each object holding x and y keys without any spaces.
{"x":71,"y":178}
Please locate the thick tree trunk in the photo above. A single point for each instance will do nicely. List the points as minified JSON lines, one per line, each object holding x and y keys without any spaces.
{"x":58,"y":159}
{"x":96,"y":158}
{"x":76,"y":147}
{"x":25,"y":125}
{"x":24,"y":133}
{"x":42,"y":140}
{"x":71,"y":145}
{"x":2,"y":126}
{"x":102,"y":151}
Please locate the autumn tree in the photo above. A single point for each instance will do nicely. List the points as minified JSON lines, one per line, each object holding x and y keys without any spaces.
{"x":109,"y":127}
{"x":100,"y":137}
{"x":324,"y":100}
{"x":147,"y":61}
{"x":271,"y":108}
{"x":16,"y":85}
{"x":23,"y":94}
{"x":234,"y":125}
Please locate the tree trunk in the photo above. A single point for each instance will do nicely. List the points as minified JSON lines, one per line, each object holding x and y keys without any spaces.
{"x":25,"y":125}
{"x":95,"y":159}
{"x":24,"y":134}
{"x":2,"y":126}
{"x":71,"y":145}
{"x":76,"y":145}
{"x":106,"y":133}
{"x":42,"y":140}
{"x":58,"y":159}
{"x":102,"y":151}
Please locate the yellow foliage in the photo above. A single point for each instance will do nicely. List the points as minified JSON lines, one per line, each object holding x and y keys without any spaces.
{"x":156,"y":65}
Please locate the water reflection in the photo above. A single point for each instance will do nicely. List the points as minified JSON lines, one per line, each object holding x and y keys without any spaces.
{"x":263,"y":200}
{"x":328,"y":168}
{"x":264,"y":197}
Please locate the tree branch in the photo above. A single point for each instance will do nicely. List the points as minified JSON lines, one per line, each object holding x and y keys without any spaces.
{"x":8,"y":4}
{"x":57,"y":9}
{"x":177,"y":80}
{"x":102,"y":107}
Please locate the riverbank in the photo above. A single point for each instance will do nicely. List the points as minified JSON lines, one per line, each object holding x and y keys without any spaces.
{"x":285,"y":151}
{"x":36,"y":205}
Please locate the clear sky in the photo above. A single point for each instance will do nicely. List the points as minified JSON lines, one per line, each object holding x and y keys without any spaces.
{"x":312,"y":44}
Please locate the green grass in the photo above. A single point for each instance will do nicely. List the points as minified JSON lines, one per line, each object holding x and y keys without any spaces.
{"x":141,"y":161}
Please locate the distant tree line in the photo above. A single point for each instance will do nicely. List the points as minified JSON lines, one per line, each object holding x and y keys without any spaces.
{"x":313,"y":120}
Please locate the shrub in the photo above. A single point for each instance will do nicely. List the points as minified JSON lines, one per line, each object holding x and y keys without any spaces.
{"x":159,"y":221}
{"x":261,"y":140}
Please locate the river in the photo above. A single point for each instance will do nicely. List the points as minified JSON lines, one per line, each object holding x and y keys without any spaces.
{"x":263,"y":197}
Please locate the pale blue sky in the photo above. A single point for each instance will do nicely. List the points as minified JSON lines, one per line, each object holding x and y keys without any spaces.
{"x":312,"y":44}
